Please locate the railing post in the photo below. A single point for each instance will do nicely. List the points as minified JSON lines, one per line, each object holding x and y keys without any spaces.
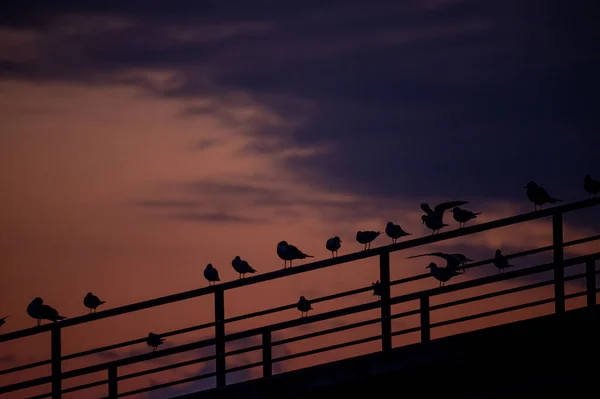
{"x":559,"y":271}
{"x":112,"y":382}
{"x":220,"y":335}
{"x":386,"y":310}
{"x":425,"y":329}
{"x":590,"y":279}
{"x":56,"y":366}
{"x":266,"y":349}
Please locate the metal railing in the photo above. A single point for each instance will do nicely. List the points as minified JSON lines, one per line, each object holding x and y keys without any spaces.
{"x":265,"y":332}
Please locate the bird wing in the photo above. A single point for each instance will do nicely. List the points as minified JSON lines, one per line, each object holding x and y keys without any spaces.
{"x":440,"y":208}
{"x":426,"y":208}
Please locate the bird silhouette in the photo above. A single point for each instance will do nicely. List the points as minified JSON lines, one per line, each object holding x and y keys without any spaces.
{"x":288,"y":252}
{"x":501,"y":262}
{"x":453,"y":261}
{"x":438,"y":211}
{"x":462,"y":216}
{"x":91,"y":301}
{"x":333,"y":244}
{"x":367,"y":237}
{"x":433,"y":223}
{"x":442,"y":274}
{"x":591,"y":186}
{"x":37,"y":310}
{"x":377,"y":289}
{"x":241,"y":266}
{"x":538,"y":195}
{"x":211,"y":274}
{"x":3,"y":320}
{"x":303,"y":306}
{"x":154,"y":340}
{"x":394,"y":231}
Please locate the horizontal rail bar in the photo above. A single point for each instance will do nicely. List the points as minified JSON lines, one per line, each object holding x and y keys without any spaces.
{"x":328,"y":348}
{"x":307,"y":267}
{"x":164,"y":368}
{"x":165,"y":385}
{"x":72,"y":389}
{"x":406,"y":331}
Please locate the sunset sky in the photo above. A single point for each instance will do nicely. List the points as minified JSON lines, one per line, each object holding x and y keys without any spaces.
{"x":141,"y":140}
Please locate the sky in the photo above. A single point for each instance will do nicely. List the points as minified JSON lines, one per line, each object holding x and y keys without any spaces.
{"x":140,"y":141}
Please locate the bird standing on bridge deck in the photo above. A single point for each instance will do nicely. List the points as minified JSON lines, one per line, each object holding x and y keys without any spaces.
{"x":538,"y":195}
{"x":211,"y":274}
{"x":241,"y":266}
{"x":154,"y":340}
{"x":592,"y":186}
{"x":377,"y":289}
{"x":453,"y":261}
{"x":442,"y":274}
{"x":333,"y":244}
{"x":501,"y":262}
{"x":367,"y":237}
{"x":462,"y":216}
{"x":91,"y":301}
{"x":304,"y":306}
{"x":39,"y":311}
{"x":434,"y":219}
{"x":394,"y":231}
{"x":3,"y":320}
{"x":288,"y":252}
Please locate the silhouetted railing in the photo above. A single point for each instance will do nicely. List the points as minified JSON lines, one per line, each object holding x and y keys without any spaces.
{"x":265,"y":332}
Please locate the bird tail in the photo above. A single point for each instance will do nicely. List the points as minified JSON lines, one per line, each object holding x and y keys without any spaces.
{"x":102,"y":302}
{"x":308,"y":256}
{"x":60,"y":317}
{"x":553,"y":200}
{"x":476,"y":213}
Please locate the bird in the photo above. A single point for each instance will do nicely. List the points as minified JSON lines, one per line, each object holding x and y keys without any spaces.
{"x":288,"y":252}
{"x":37,"y":310}
{"x":211,"y":274}
{"x":92,"y":301}
{"x":303,"y":306}
{"x":433,"y":223}
{"x":501,"y":262}
{"x":453,"y":261}
{"x":394,"y":231}
{"x":442,"y":274}
{"x":367,"y":237}
{"x":3,"y":320}
{"x":462,"y":216}
{"x":437,"y":213}
{"x":333,"y":244}
{"x":592,"y":186}
{"x":241,"y":266}
{"x":154,"y":340}
{"x":538,"y":195}
{"x":377,"y":289}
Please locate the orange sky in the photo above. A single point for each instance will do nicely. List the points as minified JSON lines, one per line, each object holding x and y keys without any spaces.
{"x":74,"y":162}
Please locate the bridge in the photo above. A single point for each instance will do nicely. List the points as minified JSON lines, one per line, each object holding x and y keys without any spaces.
{"x":458,"y":355}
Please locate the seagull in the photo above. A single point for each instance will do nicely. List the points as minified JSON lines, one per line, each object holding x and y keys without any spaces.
{"x":303,"y":306}
{"x":154,"y":340}
{"x":92,"y":301}
{"x":377,"y":289}
{"x":538,"y":195}
{"x":438,"y":211}
{"x":501,"y":262}
{"x":333,"y":244}
{"x":394,"y":231}
{"x":211,"y":274}
{"x":462,"y":216}
{"x":39,"y":311}
{"x":367,"y":237}
{"x":433,"y":223}
{"x":453,"y":261}
{"x":3,"y":320}
{"x":592,"y":186}
{"x":241,"y":266}
{"x":441,"y":274}
{"x":289,"y":252}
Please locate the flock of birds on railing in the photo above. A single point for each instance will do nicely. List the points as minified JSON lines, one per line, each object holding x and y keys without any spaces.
{"x":433,"y":219}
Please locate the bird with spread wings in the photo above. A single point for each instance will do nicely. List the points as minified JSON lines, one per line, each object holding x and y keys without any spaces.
{"x":453,"y":261}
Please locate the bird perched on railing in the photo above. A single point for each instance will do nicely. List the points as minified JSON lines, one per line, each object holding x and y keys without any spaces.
{"x":3,"y":320}
{"x":288,"y":252}
{"x":241,"y":266}
{"x":501,"y":262}
{"x":367,"y":237}
{"x":462,"y":216}
{"x":538,"y":195}
{"x":91,"y":301}
{"x":333,"y":244}
{"x":434,"y":219}
{"x":442,"y":274}
{"x":211,"y":274}
{"x":37,"y":310}
{"x":592,"y":186}
{"x":154,"y":340}
{"x":394,"y":231}
{"x":453,"y":261}
{"x":304,"y":306}
{"x":377,"y":289}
